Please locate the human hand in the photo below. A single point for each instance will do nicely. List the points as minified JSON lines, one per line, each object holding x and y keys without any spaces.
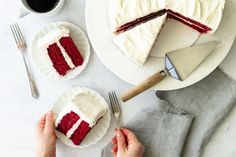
{"x":46,"y":138}
{"x":126,"y":144}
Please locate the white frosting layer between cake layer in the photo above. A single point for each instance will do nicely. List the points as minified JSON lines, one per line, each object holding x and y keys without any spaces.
{"x":207,"y":12}
{"x":137,"y":43}
{"x":53,"y":37}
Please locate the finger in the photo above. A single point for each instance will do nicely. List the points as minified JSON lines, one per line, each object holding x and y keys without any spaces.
{"x":41,"y":123}
{"x":114,"y":140}
{"x":130,"y":136}
{"x":49,"y":124}
{"x":114,"y":148}
{"x":121,"y":142}
{"x":114,"y":154}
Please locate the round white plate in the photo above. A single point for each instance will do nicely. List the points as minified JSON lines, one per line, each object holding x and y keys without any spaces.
{"x":98,"y":131}
{"x":45,"y":67}
{"x":101,"y":37}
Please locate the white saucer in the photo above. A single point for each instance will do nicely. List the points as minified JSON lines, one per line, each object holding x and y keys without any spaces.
{"x":98,"y":131}
{"x":45,"y":67}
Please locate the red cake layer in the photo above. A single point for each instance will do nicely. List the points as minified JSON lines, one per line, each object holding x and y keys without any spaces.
{"x":171,"y":14}
{"x":80,"y":133}
{"x":67,"y":122}
{"x":194,"y":24}
{"x":72,"y":51}
{"x":57,"y":59}
{"x":139,"y":21}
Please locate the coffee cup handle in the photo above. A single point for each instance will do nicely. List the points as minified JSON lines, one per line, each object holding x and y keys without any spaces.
{"x":22,"y":12}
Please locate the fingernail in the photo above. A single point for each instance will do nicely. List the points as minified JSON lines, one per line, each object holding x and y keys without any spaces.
{"x":118,"y":133}
{"x":49,"y":114}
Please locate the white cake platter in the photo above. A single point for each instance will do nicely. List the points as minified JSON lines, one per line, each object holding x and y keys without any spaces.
{"x":174,"y":35}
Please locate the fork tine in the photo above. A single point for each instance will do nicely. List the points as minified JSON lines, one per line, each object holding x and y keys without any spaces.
{"x":116,"y":100}
{"x":20,"y":33}
{"x":13,"y":33}
{"x":111,"y":101}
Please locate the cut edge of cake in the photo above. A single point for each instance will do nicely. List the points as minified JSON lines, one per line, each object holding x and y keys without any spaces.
{"x":138,"y":42}
{"x":124,"y":17}
{"x":80,"y":127}
{"x":65,"y":56}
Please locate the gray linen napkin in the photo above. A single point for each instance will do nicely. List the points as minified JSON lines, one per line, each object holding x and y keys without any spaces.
{"x":210,"y":101}
{"x":161,"y":128}
{"x":165,"y":128}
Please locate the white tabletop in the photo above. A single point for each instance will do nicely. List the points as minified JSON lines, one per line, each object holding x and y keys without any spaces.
{"x":19,"y":111}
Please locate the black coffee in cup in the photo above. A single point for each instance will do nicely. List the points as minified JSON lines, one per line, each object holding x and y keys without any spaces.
{"x":42,"y":6}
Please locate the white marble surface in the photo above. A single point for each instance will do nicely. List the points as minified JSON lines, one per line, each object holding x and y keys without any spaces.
{"x":19,"y":112}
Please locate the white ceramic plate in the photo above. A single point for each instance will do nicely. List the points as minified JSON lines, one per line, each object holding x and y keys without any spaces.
{"x":173,"y":36}
{"x":45,"y":67}
{"x":98,"y":131}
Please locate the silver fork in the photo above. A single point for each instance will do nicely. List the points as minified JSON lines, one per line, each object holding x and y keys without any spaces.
{"x":21,"y":46}
{"x":115,"y":107}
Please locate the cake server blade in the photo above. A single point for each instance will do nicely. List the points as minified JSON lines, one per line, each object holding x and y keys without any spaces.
{"x":181,"y":63}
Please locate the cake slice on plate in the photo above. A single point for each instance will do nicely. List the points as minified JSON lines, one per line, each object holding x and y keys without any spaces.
{"x":77,"y":119}
{"x":137,"y":43}
{"x":60,"y":50}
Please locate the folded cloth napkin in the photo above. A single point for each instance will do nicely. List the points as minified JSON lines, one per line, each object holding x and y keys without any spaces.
{"x":161,"y":128}
{"x":183,"y":120}
{"x":210,"y":101}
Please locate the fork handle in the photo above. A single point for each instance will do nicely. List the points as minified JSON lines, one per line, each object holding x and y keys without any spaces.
{"x":33,"y":87}
{"x":143,"y":86}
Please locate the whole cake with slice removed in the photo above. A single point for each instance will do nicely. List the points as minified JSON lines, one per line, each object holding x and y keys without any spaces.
{"x":77,"y":118}
{"x":201,"y":15}
{"x":60,"y":50}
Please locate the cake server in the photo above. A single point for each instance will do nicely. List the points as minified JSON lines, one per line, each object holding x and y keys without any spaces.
{"x":179,"y":64}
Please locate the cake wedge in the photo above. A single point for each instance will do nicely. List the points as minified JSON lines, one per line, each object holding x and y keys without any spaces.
{"x":138,"y":42}
{"x":79,"y":117}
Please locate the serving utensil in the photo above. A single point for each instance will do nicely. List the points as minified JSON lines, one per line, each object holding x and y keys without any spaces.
{"x":21,"y":46}
{"x":115,"y":107}
{"x":179,"y":64}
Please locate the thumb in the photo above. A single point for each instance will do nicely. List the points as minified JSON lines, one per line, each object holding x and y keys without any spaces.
{"x":49,"y":123}
{"x":121,"y":142}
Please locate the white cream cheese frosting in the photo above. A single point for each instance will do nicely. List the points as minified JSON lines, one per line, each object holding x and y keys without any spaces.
{"x":137,"y":43}
{"x":207,"y":12}
{"x":53,"y":37}
{"x":88,"y":108}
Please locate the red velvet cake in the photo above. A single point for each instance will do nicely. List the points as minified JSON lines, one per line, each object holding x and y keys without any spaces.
{"x":80,"y":133}
{"x":61,"y":50}
{"x":132,"y":21}
{"x":67,"y":122}
{"x":72,"y":51}
{"x":78,"y":118}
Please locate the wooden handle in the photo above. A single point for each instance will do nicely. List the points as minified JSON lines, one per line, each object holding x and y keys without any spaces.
{"x":143,"y":86}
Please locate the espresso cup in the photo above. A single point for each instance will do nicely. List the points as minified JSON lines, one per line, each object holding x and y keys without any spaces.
{"x":26,"y":9}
